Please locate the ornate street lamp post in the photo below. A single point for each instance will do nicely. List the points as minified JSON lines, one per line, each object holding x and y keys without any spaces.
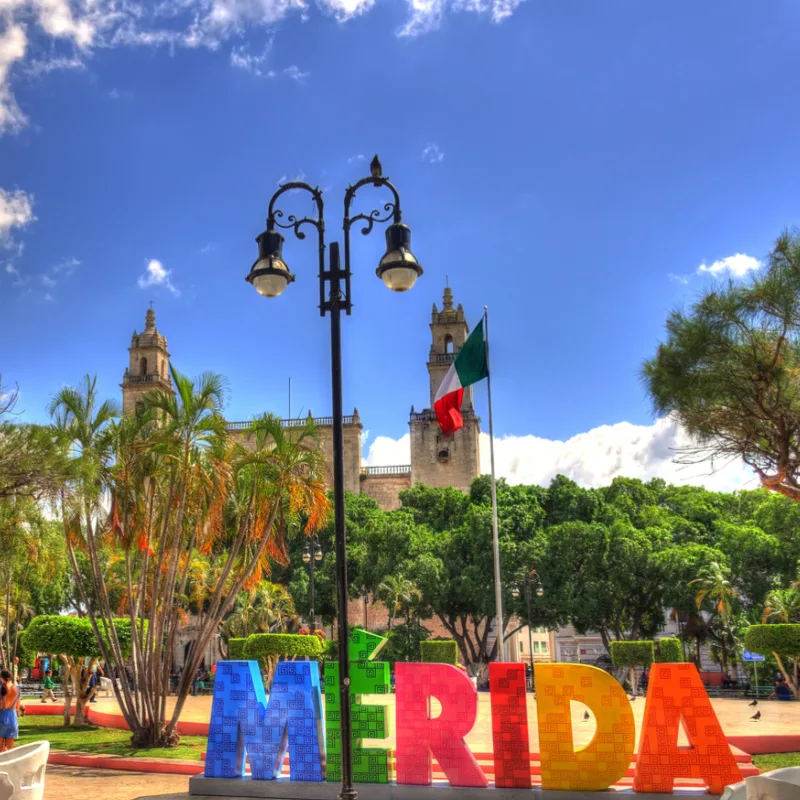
{"x":310,"y":557}
{"x":399,"y":270}
{"x":530,"y":582}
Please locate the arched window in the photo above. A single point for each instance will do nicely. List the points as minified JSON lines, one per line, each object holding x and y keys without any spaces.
{"x":448,"y":343}
{"x":143,"y":366}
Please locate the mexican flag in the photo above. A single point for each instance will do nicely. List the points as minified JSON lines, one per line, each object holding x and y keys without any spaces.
{"x":470,"y":366}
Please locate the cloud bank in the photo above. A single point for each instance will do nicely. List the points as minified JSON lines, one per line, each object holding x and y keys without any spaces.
{"x":591,"y":459}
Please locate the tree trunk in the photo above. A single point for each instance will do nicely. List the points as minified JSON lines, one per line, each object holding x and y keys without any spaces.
{"x":67,"y":694}
{"x":80,"y":695}
{"x":791,"y":680}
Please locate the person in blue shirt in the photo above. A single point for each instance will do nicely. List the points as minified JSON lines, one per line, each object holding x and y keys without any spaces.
{"x":782,"y":691}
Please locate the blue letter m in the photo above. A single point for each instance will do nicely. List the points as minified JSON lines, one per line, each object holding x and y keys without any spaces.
{"x":243,"y":721}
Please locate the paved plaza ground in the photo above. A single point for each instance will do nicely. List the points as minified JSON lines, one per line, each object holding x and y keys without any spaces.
{"x":68,"y":782}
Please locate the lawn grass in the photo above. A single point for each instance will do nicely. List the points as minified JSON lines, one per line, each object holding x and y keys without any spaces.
{"x":776,"y":760}
{"x":102,"y":741}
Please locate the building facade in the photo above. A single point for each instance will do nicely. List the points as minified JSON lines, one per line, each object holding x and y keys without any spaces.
{"x":436,"y":460}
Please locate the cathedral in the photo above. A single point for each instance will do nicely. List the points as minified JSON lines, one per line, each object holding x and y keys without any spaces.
{"x":436,"y":460}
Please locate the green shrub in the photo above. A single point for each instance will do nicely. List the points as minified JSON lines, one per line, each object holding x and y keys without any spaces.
{"x":632,"y":654}
{"x":72,"y":636}
{"x":781,"y":639}
{"x":282,"y":644}
{"x":236,"y":649}
{"x":669,"y":651}
{"x":439,"y":651}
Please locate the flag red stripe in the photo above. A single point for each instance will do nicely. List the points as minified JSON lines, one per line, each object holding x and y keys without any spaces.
{"x":448,"y":412}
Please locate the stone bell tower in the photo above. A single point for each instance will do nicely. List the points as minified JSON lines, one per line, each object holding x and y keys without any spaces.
{"x":436,"y":459}
{"x":149,"y":365}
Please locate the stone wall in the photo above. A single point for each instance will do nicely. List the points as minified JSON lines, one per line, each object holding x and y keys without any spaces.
{"x":437,"y":460}
{"x":352,"y":453}
{"x":385,"y":489}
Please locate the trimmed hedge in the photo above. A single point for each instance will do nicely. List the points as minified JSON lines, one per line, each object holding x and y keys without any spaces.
{"x":669,"y":651}
{"x":632,"y":654}
{"x":781,"y":639}
{"x":439,"y":651}
{"x":72,"y":636}
{"x":236,"y":649}
{"x":282,"y":644}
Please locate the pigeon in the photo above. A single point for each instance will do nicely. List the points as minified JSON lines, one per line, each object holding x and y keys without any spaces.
{"x":754,"y":703}
{"x":375,"y":168}
{"x":756,"y":716}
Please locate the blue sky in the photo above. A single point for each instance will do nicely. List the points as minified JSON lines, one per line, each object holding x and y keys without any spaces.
{"x":571,"y":164}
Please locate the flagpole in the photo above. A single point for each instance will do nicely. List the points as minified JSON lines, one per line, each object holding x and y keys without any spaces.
{"x":498,"y":585}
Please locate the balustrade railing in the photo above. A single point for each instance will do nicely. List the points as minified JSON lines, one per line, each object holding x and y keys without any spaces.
{"x":296,"y":423}
{"x":404,"y":469}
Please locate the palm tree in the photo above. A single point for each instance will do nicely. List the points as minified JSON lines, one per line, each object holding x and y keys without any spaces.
{"x":783,"y":605}
{"x":714,"y":586}
{"x":84,"y":426}
{"x":267,"y":607}
{"x":275,"y":481}
{"x":398,"y":594}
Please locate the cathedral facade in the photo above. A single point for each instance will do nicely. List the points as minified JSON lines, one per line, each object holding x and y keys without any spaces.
{"x":436,"y":460}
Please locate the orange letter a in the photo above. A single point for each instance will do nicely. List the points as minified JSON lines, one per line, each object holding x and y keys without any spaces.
{"x":676,"y":692}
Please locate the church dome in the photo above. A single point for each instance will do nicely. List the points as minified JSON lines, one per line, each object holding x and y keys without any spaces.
{"x":149,"y":337}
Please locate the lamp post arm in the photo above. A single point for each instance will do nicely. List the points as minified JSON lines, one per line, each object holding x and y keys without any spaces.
{"x":390,"y":209}
{"x":296,"y":223}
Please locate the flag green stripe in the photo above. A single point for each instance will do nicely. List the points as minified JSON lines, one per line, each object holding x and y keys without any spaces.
{"x":470,"y":363}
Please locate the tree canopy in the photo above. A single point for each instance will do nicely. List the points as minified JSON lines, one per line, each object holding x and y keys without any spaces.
{"x":729,"y":370}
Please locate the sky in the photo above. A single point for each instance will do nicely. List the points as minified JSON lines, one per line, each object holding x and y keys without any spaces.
{"x":581,"y":168}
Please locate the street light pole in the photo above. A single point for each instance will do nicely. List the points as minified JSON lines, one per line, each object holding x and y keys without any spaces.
{"x":530,"y":581}
{"x":270,"y":275}
{"x":530,"y":632}
{"x":311,"y":555}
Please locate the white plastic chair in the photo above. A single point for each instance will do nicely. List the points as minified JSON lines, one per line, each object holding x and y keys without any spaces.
{"x":22,"y":772}
{"x":779,"y":784}
{"x":736,"y":791}
{"x":106,"y":687}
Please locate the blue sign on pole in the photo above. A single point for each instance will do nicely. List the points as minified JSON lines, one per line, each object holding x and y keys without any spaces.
{"x":748,"y":656}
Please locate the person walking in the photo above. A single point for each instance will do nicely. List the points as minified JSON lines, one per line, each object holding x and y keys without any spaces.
{"x":94,"y":685}
{"x":9,"y":706}
{"x":48,"y":686}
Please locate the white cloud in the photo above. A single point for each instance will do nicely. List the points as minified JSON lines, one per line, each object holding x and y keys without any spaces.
{"x":66,"y":267}
{"x":13,"y":45}
{"x":684,"y":279}
{"x":62,"y":34}
{"x":156,"y":275}
{"x":48,"y":65}
{"x":432,"y":154}
{"x":59,"y":272}
{"x":344,"y":10}
{"x":17,"y":278}
{"x":591,"y":459}
{"x":301,"y":176}
{"x":242,"y":58}
{"x":294,"y":73}
{"x":426,"y":15}
{"x":737,"y":265}
{"x":359,"y":157}
{"x":16,"y":212}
